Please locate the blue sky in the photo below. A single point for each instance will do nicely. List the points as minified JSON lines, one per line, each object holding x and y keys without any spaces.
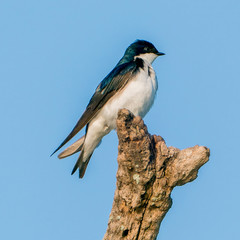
{"x":52,"y":56}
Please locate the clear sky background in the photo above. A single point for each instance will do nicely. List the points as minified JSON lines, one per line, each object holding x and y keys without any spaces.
{"x":53,"y":54}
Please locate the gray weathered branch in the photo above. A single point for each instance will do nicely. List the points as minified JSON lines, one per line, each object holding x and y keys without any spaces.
{"x":147,"y":173}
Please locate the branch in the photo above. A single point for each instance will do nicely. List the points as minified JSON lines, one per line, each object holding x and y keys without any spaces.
{"x":147,"y":173}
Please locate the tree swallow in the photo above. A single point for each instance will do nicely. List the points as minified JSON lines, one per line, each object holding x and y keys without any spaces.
{"x":132,"y":84}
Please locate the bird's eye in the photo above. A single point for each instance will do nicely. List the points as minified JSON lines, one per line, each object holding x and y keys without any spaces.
{"x":145,"y":49}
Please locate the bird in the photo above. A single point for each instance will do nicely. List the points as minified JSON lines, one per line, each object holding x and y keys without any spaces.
{"x":132,"y":84}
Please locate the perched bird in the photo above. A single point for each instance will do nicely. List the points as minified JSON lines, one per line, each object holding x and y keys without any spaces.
{"x":132,"y":84}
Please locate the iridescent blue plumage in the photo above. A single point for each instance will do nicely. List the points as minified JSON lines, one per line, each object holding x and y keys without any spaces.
{"x":118,"y":70}
{"x":131,"y":84}
{"x":125,"y":63}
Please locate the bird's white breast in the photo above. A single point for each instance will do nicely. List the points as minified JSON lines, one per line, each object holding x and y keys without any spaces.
{"x":137,"y":96}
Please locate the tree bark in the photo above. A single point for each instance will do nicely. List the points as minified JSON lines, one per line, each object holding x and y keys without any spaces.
{"x":148,"y":171}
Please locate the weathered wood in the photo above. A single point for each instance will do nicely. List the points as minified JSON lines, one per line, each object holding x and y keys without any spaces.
{"x":148,"y":171}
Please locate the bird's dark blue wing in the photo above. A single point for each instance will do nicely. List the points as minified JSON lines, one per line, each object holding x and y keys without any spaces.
{"x":112,"y":83}
{"x":116,"y":74}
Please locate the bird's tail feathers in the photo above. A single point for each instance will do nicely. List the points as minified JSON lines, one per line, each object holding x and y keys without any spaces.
{"x":82,"y":165}
{"x":74,"y":148}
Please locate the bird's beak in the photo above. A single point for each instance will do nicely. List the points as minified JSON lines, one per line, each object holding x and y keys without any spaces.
{"x":160,"y":53}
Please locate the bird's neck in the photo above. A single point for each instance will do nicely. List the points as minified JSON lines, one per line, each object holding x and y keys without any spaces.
{"x":126,"y":58}
{"x":147,"y":57}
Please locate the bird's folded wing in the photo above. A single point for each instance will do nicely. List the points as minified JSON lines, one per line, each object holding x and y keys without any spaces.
{"x":115,"y":81}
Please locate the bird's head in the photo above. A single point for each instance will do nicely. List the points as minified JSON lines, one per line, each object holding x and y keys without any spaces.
{"x":142,"y":49}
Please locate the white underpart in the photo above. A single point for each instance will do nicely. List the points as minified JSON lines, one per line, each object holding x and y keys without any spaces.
{"x":148,"y":57}
{"x":137,"y":96}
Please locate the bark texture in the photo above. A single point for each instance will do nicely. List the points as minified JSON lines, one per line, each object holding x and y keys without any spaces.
{"x":148,"y":171}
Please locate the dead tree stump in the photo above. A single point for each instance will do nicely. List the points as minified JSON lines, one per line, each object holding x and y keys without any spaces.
{"x":148,"y":171}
